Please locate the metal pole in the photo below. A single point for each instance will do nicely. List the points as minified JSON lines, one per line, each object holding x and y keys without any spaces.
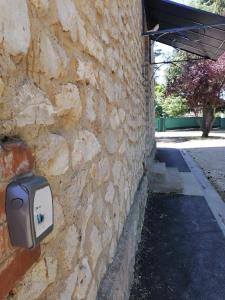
{"x":143,"y":17}
{"x":181,"y":29}
{"x":179,"y":61}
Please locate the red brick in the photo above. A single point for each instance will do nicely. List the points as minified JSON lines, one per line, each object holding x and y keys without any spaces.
{"x":15,"y":159}
{"x":15,"y":269}
{"x":2,"y":241}
{"x":2,"y":203}
{"x":5,"y":246}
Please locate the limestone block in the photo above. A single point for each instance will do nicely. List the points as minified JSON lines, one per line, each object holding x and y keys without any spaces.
{"x":110,"y":192}
{"x":107,"y":85}
{"x":85,"y":71}
{"x":2,"y":86}
{"x":122,"y":187}
{"x":68,"y":102}
{"x":104,"y":36}
{"x":114,"y":32}
{"x":116,"y":214}
{"x":101,"y":172}
{"x":86,"y":9}
{"x":117,"y":170}
{"x":108,"y":231}
{"x":111,"y":141}
{"x":90,"y":107}
{"x":112,"y":250}
{"x":53,"y":58}
{"x":122,"y":115}
{"x":52,"y":265}
{"x":88,"y":211}
{"x":99,"y":5}
{"x":69,"y":246}
{"x":84,"y":279}
{"x":32,"y":107}
{"x":98,"y":208}
{"x":95,"y":48}
{"x":15,"y":26}
{"x":107,"y":236}
{"x":71,"y":21}
{"x":123,"y":146}
{"x":114,"y":9}
{"x":102,"y":113}
{"x":52,"y":155}
{"x":59,"y":221}
{"x":86,"y":147}
{"x":111,"y":59}
{"x":95,"y":246}
{"x":67,"y":14}
{"x":92,"y":291}
{"x":70,"y":285}
{"x":74,"y":192}
{"x":121,"y":134}
{"x":114,"y":119}
{"x":35,"y":282}
{"x":101,"y":270}
{"x":42,"y":5}
{"x":82,"y":34}
{"x":7,"y":64}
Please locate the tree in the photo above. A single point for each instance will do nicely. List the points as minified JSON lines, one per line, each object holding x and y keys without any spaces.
{"x":159,"y":96}
{"x":202,"y":84}
{"x":171,"y":106}
{"x":175,"y":68}
{"x":174,"y":106}
{"x":219,"y":7}
{"x":215,"y":6}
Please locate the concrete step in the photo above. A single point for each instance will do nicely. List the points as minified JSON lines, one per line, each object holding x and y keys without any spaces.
{"x":158,"y":171}
{"x":171,"y":183}
{"x":174,"y":180}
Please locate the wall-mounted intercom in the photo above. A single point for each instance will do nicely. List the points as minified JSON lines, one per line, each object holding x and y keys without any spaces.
{"x":29,"y":210}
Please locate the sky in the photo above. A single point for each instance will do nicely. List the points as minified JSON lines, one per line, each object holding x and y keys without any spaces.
{"x":166,"y":51}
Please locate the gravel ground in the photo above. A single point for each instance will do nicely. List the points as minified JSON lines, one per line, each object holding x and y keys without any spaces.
{"x":208,"y":153}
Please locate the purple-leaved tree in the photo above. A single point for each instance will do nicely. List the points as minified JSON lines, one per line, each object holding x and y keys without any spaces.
{"x":203,"y":85}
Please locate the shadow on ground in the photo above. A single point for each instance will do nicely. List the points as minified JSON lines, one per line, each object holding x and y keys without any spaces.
{"x":182,"y":251}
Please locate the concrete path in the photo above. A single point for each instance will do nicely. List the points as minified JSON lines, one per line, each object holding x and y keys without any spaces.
{"x":182,"y":251}
{"x":208,"y":153}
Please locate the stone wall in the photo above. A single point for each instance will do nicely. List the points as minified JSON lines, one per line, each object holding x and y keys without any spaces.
{"x":71,"y":88}
{"x":117,"y":282}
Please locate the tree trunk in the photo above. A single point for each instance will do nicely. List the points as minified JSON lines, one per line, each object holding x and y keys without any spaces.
{"x":208,"y":119}
{"x":205,"y":133}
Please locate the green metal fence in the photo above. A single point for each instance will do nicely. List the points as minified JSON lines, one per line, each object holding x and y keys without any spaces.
{"x":162,"y":124}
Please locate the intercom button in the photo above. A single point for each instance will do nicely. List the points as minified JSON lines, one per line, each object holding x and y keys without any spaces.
{"x":17,"y":203}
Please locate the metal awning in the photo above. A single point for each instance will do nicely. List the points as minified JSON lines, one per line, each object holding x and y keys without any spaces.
{"x":185,"y":28}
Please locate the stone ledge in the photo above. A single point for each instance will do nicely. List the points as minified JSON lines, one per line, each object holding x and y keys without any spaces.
{"x":118,"y":280}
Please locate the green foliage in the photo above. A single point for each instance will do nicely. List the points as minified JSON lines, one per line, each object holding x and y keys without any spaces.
{"x":175,"y":69}
{"x":171,"y":106}
{"x":215,"y":6}
{"x":160,"y":92}
{"x":159,"y":97}
{"x":174,"y":106}
{"x":158,"y":110}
